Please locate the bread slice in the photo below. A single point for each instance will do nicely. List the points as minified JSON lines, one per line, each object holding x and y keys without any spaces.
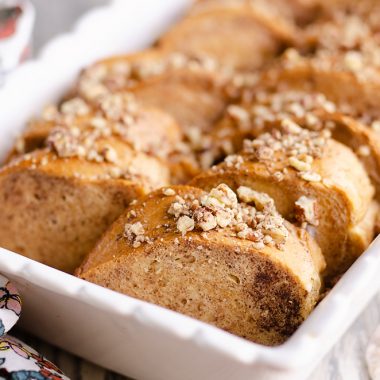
{"x":362,"y":234}
{"x":287,"y":13}
{"x":263,"y":111}
{"x":351,"y":80}
{"x":311,"y":177}
{"x":146,"y":129}
{"x":57,"y":202}
{"x":258,"y":291}
{"x":115,"y":114}
{"x":238,"y":34}
{"x":344,"y":25}
{"x":363,"y":140}
{"x":170,"y":81}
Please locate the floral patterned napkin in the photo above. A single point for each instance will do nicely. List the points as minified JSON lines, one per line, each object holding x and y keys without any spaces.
{"x":17,"y":360}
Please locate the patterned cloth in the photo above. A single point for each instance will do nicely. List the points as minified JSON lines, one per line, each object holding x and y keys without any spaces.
{"x":17,"y":360}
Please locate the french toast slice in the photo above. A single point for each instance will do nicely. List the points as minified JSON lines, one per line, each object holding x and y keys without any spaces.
{"x":169,"y":249}
{"x":311,"y":177}
{"x":57,"y":201}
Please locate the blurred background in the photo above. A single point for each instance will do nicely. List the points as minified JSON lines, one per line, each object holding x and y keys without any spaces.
{"x":57,"y":16}
{"x":24,"y":32}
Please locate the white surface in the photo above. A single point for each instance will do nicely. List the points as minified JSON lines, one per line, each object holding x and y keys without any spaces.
{"x":56,"y":16}
{"x":116,"y":331}
{"x":346,"y":361}
{"x":373,"y":355}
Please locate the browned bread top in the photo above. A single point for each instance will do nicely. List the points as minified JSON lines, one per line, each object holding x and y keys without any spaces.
{"x":286,"y":13}
{"x":146,"y":129}
{"x":208,"y":31}
{"x":351,"y":80}
{"x":171,"y":81}
{"x":345,"y":23}
{"x":263,"y":110}
{"x":191,"y":209}
{"x":80,"y":128}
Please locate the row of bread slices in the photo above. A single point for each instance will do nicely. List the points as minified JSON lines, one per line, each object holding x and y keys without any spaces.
{"x":117,"y":103}
{"x":223,"y":248}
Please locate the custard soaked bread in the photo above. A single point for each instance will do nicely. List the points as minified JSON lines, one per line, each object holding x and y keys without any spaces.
{"x":260,"y":111}
{"x":114,"y":114}
{"x":238,"y":34}
{"x":225,"y":258}
{"x":311,"y":177}
{"x":344,"y":25}
{"x":146,"y":129}
{"x":68,"y":193}
{"x":350,"y":79}
{"x":171,"y":81}
{"x":287,"y":12}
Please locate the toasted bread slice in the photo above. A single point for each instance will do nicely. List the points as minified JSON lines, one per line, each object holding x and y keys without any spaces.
{"x":173,"y":82}
{"x":363,"y":140}
{"x":286,"y":12}
{"x":313,"y":111}
{"x":258,"y":291}
{"x":343,"y":25}
{"x":337,"y":32}
{"x":311,"y":177}
{"x":237,"y":34}
{"x":363,"y":233}
{"x":58,"y":201}
{"x":351,"y":80}
{"x":146,"y":129}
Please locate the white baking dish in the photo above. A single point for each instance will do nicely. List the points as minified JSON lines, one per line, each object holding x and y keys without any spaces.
{"x":121,"y":333}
